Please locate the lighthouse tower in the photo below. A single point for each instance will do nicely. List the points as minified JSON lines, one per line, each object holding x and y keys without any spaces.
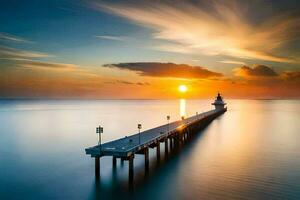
{"x":219,"y":103}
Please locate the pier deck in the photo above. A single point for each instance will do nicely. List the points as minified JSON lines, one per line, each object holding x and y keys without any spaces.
{"x":130,"y":144}
{"x":172,"y":134}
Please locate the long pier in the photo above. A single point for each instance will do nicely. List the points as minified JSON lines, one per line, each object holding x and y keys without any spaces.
{"x":171,"y":134}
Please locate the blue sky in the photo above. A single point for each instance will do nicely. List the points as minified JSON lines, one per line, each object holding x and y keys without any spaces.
{"x":67,"y":30}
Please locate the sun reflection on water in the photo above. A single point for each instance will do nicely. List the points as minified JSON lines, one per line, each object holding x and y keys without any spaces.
{"x":182,"y":107}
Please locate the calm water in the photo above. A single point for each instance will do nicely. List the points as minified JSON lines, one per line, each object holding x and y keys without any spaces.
{"x":251,"y":152}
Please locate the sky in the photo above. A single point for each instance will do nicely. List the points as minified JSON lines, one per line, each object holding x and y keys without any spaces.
{"x":96,"y":49}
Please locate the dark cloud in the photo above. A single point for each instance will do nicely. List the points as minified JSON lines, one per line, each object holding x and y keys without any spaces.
{"x":255,"y":71}
{"x":156,"y":69}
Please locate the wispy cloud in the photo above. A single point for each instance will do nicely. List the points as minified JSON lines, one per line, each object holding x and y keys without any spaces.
{"x":110,"y":37}
{"x":47,"y":65}
{"x":129,"y":83}
{"x":55,"y":67}
{"x":216,"y":29}
{"x":11,"y":53}
{"x":32,"y":60}
{"x":232,"y":62}
{"x":174,"y":48}
{"x":12,"y":38}
{"x":155,"y":69}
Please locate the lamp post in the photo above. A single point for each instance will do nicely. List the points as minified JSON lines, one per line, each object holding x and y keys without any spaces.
{"x":99,"y":131}
{"x":168,"y":118}
{"x":139,"y":127}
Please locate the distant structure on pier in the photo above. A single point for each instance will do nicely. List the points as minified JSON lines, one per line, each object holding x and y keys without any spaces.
{"x":219,"y":103}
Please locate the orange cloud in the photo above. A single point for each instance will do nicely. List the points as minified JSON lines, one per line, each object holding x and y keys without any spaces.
{"x":291,"y":76}
{"x":255,"y":71}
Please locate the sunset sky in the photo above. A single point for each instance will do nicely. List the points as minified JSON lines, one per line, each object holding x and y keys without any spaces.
{"x":146,"y":49}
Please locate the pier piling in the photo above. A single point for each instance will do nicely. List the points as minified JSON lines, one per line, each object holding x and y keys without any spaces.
{"x":114,"y":161}
{"x":166,"y":148}
{"x":130,"y":172}
{"x":97,"y":167}
{"x":158,"y":152}
{"x":146,"y":160}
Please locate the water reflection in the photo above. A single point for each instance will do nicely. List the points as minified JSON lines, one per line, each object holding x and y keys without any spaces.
{"x":251,"y":152}
{"x":182,"y":107}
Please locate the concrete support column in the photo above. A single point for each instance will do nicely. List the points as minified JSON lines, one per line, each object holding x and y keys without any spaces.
{"x":181,"y":139}
{"x":158,"y":152}
{"x":171,"y":143}
{"x":189,"y":133}
{"x":176,"y":141}
{"x":114,"y":160}
{"x":147,"y":159}
{"x":122,"y":162}
{"x":130,"y":173}
{"x":166,"y":148}
{"x":97,"y":167}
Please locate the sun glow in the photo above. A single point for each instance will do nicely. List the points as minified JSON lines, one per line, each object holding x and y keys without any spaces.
{"x":182,"y":88}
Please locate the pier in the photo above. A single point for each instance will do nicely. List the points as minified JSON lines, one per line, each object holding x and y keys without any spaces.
{"x":171,"y":134}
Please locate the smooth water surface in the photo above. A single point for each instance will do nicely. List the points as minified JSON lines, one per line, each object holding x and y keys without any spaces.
{"x":250,"y":152}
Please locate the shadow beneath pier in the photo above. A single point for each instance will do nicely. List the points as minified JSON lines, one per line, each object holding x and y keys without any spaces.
{"x":118,"y":186}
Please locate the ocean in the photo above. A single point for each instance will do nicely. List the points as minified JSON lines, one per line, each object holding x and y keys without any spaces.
{"x":250,"y":152}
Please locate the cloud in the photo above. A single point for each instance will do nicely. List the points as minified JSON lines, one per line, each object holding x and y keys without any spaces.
{"x":12,"y":38}
{"x":47,"y":65}
{"x":291,"y":76}
{"x":131,"y":83}
{"x":156,"y":69}
{"x":256,"y":71}
{"x":143,"y":83}
{"x":174,"y":48}
{"x":56,"y":67}
{"x":11,"y":54}
{"x":232,"y":62}
{"x":31,"y":60}
{"x":109,"y":37}
{"x":212,"y":28}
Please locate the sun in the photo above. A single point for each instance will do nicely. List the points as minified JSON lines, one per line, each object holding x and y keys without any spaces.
{"x":182,"y":88}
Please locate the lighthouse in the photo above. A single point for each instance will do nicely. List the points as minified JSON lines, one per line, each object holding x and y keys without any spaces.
{"x":219,"y":103}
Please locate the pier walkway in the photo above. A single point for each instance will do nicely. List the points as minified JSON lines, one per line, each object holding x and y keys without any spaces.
{"x":172,"y":134}
{"x":130,"y":144}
